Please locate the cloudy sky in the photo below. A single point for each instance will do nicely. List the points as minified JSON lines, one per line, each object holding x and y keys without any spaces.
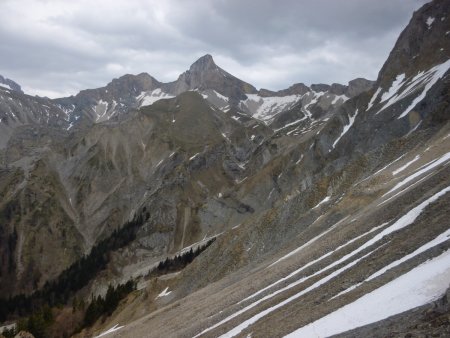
{"x":58,"y":47}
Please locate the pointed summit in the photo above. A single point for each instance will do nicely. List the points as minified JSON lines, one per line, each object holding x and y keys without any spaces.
{"x":204,"y":74}
{"x":204,"y":63}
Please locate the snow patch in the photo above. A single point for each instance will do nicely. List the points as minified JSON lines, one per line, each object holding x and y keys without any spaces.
{"x":265,"y":108}
{"x":372,"y":100}
{"x":420,"y":286}
{"x":401,"y":223}
{"x":430,"y":21}
{"x":100,"y":110}
{"x":432,"y":76}
{"x":395,"y":172}
{"x":436,"y":241}
{"x":395,"y":87}
{"x":220,"y":96}
{"x":5,"y":86}
{"x":114,"y":328}
{"x":295,"y":272}
{"x":299,"y":160}
{"x":291,"y":124}
{"x":427,"y":167}
{"x":422,"y":79}
{"x":194,"y":156}
{"x":226,"y":137}
{"x":164,"y":293}
{"x":262,"y":314}
{"x":378,"y":171}
{"x":339,"y":97}
{"x":346,"y":127}
{"x":148,"y":98}
{"x":325,"y":200}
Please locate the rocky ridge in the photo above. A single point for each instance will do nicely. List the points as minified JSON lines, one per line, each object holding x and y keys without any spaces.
{"x":219,"y":87}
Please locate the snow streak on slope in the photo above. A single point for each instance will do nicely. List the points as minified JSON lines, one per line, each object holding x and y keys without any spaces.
{"x":293,"y":252}
{"x":111,"y":330}
{"x":427,"y":167}
{"x":346,"y":127}
{"x":380,"y":170}
{"x":372,"y":100}
{"x":432,"y":76}
{"x":419,"y":286}
{"x":402,"y":87}
{"x":436,"y":241}
{"x":164,"y":293}
{"x":220,"y":96}
{"x":238,"y":329}
{"x":292,"y":274}
{"x":395,"y":172}
{"x":325,"y":200}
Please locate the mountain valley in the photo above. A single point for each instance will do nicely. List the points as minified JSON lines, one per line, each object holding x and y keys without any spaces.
{"x":315,"y":210}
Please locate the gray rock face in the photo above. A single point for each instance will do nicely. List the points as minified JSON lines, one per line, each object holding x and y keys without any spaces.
{"x":338,"y":89}
{"x":425,"y":40}
{"x":320,"y":87}
{"x":113,"y":101}
{"x":7,"y":83}
{"x":358,"y":86}
{"x":18,"y":109}
{"x":295,"y":89}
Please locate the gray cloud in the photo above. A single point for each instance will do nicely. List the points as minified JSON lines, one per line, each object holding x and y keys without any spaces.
{"x":57,"y":48}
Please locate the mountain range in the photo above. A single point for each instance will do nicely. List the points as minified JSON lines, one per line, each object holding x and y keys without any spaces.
{"x":313,"y":210}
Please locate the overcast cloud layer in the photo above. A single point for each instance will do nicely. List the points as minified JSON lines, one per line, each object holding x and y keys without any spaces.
{"x":56,"y":48}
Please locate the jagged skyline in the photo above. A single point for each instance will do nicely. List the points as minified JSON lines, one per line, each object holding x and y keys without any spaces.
{"x":58,"y":48}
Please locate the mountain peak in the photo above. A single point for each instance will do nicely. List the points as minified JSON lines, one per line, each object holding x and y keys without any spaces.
{"x":206,"y":62}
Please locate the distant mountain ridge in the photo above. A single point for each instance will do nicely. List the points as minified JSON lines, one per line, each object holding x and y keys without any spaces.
{"x":219,"y":87}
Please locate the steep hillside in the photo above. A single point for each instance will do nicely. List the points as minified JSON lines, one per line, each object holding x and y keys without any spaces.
{"x":357,"y":224}
{"x":328,"y":205}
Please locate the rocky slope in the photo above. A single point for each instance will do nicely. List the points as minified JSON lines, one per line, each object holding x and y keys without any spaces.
{"x":358,"y":223}
{"x":18,"y":109}
{"x":323,"y":200}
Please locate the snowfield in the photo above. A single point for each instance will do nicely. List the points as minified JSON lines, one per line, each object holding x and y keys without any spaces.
{"x":420,"y":286}
{"x":148,"y":98}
